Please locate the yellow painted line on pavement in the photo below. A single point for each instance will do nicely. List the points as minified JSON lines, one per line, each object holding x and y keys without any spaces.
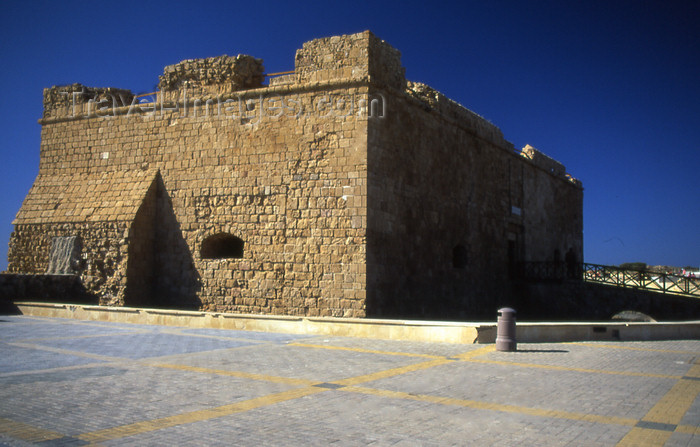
{"x":631,"y":348}
{"x":181,"y":332}
{"x":392,"y":372}
{"x":644,"y":437}
{"x":34,"y":372}
{"x":69,"y":352}
{"x":694,"y":370}
{"x":671,"y":408}
{"x":196,"y":416}
{"x":583,"y":370}
{"x":239,"y":374}
{"x":80,"y":337}
{"x":480,"y":405}
{"x":368,"y":351}
{"x":435,"y":361}
{"x":201,"y":415}
{"x":469,"y":355}
{"x":26,"y":432}
{"x":667,"y":413}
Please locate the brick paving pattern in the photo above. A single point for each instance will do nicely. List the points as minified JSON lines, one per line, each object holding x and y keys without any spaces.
{"x":70,"y":382}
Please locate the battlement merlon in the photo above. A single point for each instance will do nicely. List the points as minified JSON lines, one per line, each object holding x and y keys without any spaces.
{"x":211,"y":76}
{"x":360,"y":56}
{"x":202,"y":77}
{"x":69,"y":100}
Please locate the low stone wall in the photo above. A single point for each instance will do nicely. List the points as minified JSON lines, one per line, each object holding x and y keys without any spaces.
{"x":582,"y":301}
{"x":406,"y":330}
{"x":102,"y":263}
{"x":548,"y":332}
{"x":48,"y":288}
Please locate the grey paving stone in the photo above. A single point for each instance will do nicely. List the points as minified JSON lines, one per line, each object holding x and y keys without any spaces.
{"x":683,"y":440}
{"x":397,"y":346}
{"x":69,"y":378}
{"x":323,"y":419}
{"x":247,"y":335}
{"x":604,"y":356}
{"x":17,"y":359}
{"x":142,"y":345}
{"x":692,"y":416}
{"x":298,"y":362}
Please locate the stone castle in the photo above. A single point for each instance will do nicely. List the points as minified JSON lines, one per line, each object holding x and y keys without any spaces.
{"x":338,"y":189}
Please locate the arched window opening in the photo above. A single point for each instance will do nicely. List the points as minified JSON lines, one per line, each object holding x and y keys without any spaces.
{"x":222,"y":246}
{"x":459,"y":257}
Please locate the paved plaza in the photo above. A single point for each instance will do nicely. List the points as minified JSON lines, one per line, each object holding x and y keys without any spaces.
{"x":72,"y":382}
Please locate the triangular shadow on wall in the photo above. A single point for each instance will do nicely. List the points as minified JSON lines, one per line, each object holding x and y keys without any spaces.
{"x":160,"y":272}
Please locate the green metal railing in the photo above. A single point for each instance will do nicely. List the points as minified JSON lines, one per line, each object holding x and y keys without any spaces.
{"x":606,"y":274}
{"x":642,"y":279}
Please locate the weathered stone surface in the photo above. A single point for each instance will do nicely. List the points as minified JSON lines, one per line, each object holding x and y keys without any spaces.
{"x":50,"y":288}
{"x":102,"y":259}
{"x":239,"y":72}
{"x":76,"y":195}
{"x":77,"y":99}
{"x":357,"y":56}
{"x":349,"y":189}
{"x":64,"y":258}
{"x":543,"y":161}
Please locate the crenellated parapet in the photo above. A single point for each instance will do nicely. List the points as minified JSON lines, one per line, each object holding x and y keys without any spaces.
{"x":62,"y":101}
{"x":361,"y":56}
{"x":213,"y":75}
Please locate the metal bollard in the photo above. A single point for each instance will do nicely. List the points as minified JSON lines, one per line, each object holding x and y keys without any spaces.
{"x":505,"y":334}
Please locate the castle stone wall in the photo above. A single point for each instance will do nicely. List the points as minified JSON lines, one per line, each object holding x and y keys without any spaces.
{"x":103,"y":255}
{"x":452,"y":206}
{"x":338,"y":190}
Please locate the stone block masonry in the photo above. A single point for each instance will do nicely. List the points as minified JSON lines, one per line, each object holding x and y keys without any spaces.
{"x":338,"y":190}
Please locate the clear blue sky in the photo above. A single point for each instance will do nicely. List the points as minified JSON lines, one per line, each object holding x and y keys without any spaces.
{"x":609,"y":88}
